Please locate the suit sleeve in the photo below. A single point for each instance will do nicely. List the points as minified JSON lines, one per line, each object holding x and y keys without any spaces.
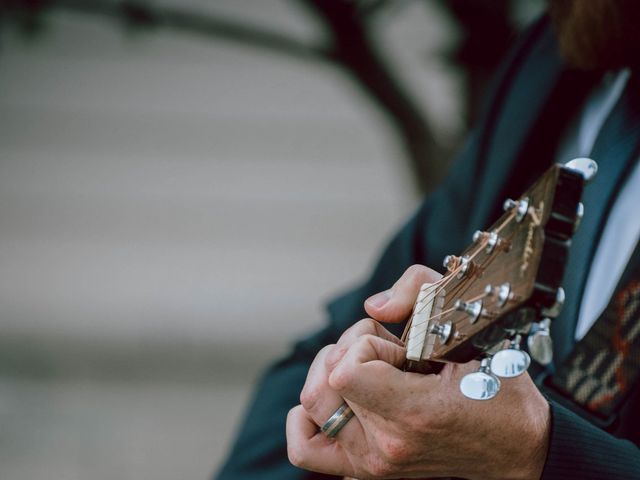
{"x":578,"y":449}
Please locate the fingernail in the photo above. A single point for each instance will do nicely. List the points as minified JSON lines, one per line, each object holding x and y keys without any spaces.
{"x":379,"y":300}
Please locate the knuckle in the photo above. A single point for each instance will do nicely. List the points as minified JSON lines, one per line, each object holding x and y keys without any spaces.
{"x":326,"y":350}
{"x":367,"y":340}
{"x":362,"y":344}
{"x":394,"y":450}
{"x":309,"y":397}
{"x":415,"y":272}
{"x":340,"y":378}
{"x":334,"y":357}
{"x":312,"y":389}
{"x":366,"y":325}
{"x":327,"y":353}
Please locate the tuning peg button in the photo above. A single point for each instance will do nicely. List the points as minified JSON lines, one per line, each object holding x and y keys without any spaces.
{"x":442,"y":330}
{"x":579,"y":216}
{"x":539,"y":342}
{"x":480,"y":385}
{"x":510,"y":362}
{"x":584,"y":166}
{"x":473,"y":309}
{"x":554,"y":310}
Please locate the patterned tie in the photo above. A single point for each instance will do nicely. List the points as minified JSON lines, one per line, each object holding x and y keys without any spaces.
{"x":605,"y":364}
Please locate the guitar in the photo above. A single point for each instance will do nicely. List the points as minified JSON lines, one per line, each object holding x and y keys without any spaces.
{"x":503,"y":287}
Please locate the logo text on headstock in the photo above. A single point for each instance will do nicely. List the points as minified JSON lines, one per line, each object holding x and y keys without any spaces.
{"x":528,"y":245}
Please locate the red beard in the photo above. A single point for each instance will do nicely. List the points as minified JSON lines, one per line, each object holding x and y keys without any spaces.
{"x":597,"y":34}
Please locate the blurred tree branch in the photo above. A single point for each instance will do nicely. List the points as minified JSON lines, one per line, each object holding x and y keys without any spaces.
{"x":351,"y":47}
{"x":352,"y":28}
{"x":138,"y":14}
{"x":354,"y":48}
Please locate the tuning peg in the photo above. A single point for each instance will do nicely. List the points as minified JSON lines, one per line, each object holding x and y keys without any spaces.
{"x":501,"y":292}
{"x":482,"y":384}
{"x":473,"y":309}
{"x":584,"y":166}
{"x":509,"y":203}
{"x":539,"y":342}
{"x":450,"y":262}
{"x":521,"y":206}
{"x":554,"y":310}
{"x":511,"y":361}
{"x":579,"y":216}
{"x":491,"y":237}
{"x":463,"y":264}
{"x":443,"y":331}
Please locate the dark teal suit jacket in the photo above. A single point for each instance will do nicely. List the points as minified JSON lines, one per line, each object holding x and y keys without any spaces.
{"x":532,"y":100}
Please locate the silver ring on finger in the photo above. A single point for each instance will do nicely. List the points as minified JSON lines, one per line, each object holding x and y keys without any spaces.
{"x":337,"y":421}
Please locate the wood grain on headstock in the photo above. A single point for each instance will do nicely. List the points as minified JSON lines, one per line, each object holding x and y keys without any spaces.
{"x":514,"y":280}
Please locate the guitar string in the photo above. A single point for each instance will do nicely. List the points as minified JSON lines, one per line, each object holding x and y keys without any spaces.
{"x":460,"y":286}
{"x":406,"y":333}
{"x":444,"y":281}
{"x":453,"y":274}
{"x":447,"y":279}
{"x":452,"y":309}
{"x":453,"y":292}
{"x":489,"y":260}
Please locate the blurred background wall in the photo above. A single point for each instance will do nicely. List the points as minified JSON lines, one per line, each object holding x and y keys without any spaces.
{"x":177,"y":204}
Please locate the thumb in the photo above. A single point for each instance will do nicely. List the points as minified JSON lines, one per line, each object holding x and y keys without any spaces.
{"x":395,"y":305}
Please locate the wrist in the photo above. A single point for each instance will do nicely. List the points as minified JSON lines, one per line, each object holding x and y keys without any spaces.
{"x":536,"y":444}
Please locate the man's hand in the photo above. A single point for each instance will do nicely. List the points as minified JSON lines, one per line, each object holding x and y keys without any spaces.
{"x":408,"y":424}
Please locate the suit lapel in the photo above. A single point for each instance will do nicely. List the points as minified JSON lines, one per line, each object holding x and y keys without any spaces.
{"x":513,"y":117}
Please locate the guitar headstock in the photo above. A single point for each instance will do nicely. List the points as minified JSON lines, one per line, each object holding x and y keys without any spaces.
{"x":506,"y":280}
